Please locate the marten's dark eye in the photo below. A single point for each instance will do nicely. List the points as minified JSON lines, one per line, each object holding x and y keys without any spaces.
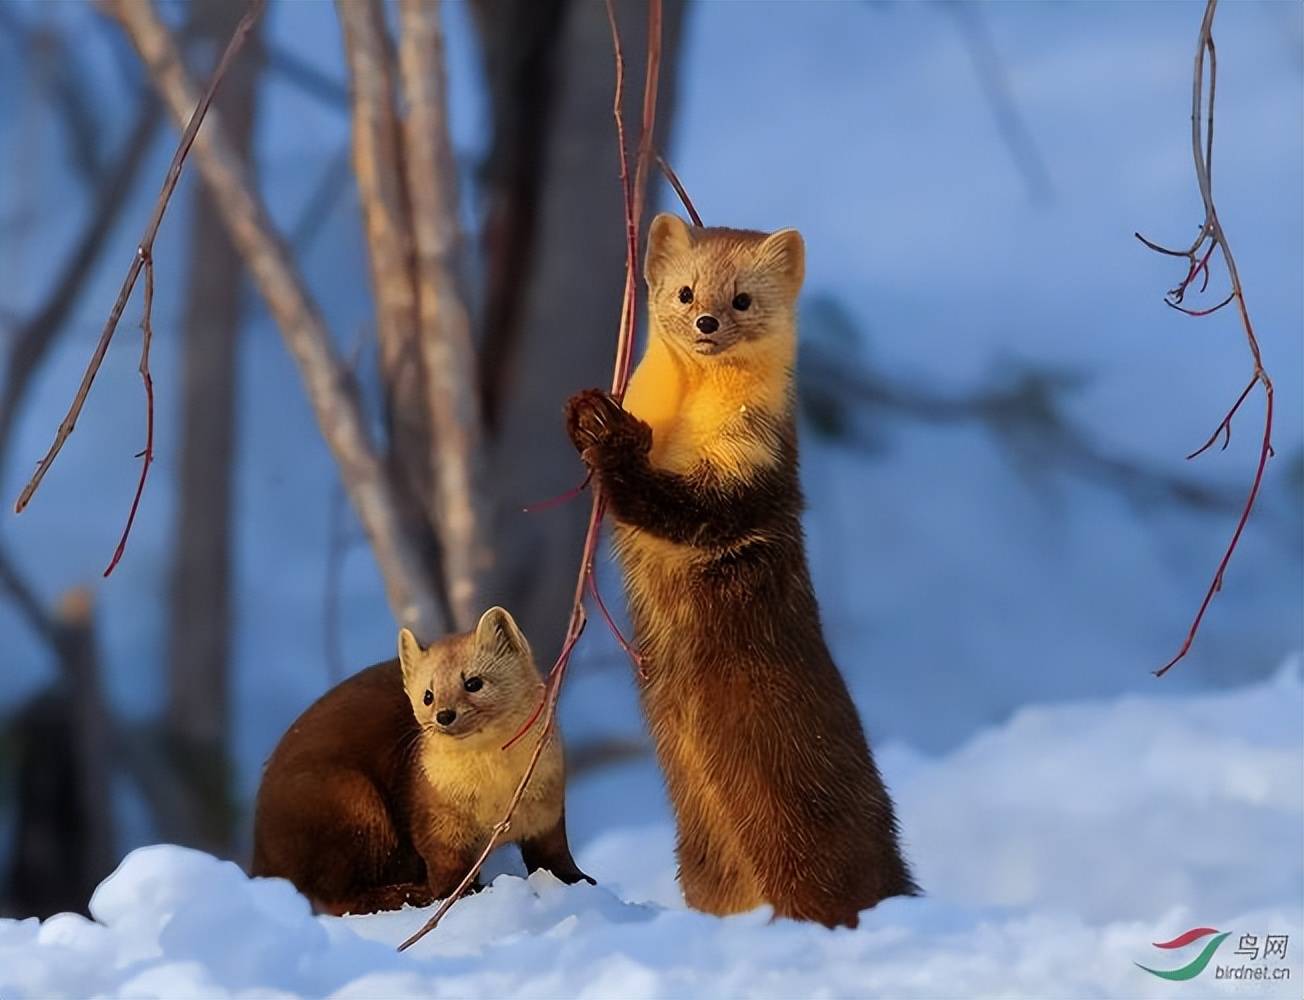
{"x":473,"y":684}
{"x":429,"y":698}
{"x":741,"y":301}
{"x":685,"y":295}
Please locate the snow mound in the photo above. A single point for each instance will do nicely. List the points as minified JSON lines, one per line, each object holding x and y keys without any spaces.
{"x":1055,"y":849}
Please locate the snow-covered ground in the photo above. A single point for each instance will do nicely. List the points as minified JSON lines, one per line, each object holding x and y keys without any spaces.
{"x":1055,"y":849}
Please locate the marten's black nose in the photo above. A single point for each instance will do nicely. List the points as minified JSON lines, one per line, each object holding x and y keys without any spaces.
{"x":708,"y":323}
{"x":445,"y":716}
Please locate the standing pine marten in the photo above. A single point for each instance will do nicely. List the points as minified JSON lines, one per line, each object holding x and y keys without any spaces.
{"x":386,"y":789}
{"x":776,"y":794}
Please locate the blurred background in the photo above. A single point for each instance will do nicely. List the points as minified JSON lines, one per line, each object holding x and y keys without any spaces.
{"x":995,"y":402}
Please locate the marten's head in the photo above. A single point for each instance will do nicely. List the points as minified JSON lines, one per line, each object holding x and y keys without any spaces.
{"x":722,"y":291}
{"x":476,"y":683}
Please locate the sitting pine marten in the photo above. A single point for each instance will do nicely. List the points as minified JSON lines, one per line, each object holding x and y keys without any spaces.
{"x":386,"y":789}
{"x":774,"y":789}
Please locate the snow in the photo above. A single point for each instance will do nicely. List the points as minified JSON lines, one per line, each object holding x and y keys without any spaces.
{"x":1054,"y":847}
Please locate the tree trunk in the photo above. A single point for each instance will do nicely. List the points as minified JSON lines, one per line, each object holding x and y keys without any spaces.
{"x":198,"y":707}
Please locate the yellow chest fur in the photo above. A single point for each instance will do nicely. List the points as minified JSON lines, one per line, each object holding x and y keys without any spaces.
{"x":698,"y":407}
{"x":701,"y":412}
{"x":479,"y":781}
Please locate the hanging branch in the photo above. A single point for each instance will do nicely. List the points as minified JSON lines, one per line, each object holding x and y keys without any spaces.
{"x":1209,"y":238}
{"x":142,"y":259}
{"x":28,"y":345}
{"x":146,"y":456}
{"x":546,"y":714}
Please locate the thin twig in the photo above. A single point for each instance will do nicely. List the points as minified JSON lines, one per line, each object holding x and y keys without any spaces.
{"x":624,"y":342}
{"x":533,"y":717}
{"x":1225,"y":428}
{"x":147,"y":456}
{"x":651,"y":79}
{"x":30,"y":342}
{"x":673,"y":178}
{"x":143,"y":254}
{"x":560,"y":498}
{"x":552,"y":688}
{"x":1210,"y":237}
{"x":1200,"y":312}
{"x":620,"y":376}
{"x":630,"y":650}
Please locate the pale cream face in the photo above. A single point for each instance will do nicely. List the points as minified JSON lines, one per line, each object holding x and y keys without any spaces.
{"x":720,"y":291}
{"x":472,"y":685}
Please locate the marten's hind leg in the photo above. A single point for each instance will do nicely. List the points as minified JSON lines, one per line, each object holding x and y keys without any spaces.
{"x":332,"y":836}
{"x":713,"y":874}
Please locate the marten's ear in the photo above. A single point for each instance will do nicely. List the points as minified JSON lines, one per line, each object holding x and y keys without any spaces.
{"x":409,"y":651}
{"x":498,"y":634}
{"x":667,"y":239}
{"x":784,"y":252}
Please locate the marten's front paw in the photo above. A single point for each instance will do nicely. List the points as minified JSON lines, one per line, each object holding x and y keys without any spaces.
{"x":599,"y":428}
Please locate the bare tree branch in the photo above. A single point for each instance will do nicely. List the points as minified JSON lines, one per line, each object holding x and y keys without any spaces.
{"x":445,"y":321}
{"x":1211,"y":236}
{"x":410,"y":589}
{"x":146,"y":456}
{"x":378,"y":155}
{"x":142,"y":255}
{"x":673,"y":178}
{"x":31,"y":341}
{"x":378,"y":166}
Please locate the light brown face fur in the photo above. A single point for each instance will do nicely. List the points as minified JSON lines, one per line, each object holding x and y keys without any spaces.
{"x":487,"y":680}
{"x":746,"y":282}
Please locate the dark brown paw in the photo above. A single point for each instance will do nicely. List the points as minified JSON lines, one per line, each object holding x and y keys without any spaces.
{"x":599,"y":427}
{"x":571,"y":875}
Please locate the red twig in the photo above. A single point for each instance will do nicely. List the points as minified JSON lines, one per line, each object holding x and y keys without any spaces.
{"x":562,"y":658}
{"x":147,"y":336}
{"x":546,"y":715}
{"x":560,"y":498}
{"x":1199,"y":312}
{"x":625,"y":644}
{"x":673,"y":178}
{"x":1210,"y":237}
{"x":1225,"y":428}
{"x":142,"y":259}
